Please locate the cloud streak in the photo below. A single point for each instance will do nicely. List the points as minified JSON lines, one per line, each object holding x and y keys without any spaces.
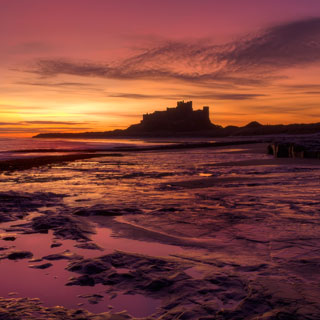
{"x":252,"y":60}
{"x":287,"y":45}
{"x":54,"y":84}
{"x":201,"y":95}
{"x":42,"y":122}
{"x":39,"y":130}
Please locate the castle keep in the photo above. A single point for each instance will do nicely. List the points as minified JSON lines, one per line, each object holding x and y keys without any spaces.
{"x":181,"y":118}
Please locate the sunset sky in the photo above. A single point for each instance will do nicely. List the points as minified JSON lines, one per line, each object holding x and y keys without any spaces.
{"x":96,"y":65}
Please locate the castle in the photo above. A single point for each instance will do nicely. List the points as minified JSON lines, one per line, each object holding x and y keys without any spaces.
{"x":181,"y":118}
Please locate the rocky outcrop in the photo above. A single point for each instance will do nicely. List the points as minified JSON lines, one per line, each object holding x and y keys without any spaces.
{"x":296,"y":149}
{"x":15,"y":205}
{"x":17,"y":255}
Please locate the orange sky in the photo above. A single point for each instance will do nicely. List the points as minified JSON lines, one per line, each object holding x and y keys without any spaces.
{"x":90,"y":65}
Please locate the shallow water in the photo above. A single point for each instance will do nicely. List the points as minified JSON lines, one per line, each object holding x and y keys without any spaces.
{"x":8,"y":146}
{"x":20,"y":280}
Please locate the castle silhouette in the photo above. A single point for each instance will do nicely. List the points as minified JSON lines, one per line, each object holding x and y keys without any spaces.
{"x":184,"y":121}
{"x":179,"y":119}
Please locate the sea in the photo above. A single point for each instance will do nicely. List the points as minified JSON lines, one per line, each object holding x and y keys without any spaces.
{"x":13,"y":148}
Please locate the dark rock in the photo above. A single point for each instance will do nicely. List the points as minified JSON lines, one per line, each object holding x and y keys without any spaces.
{"x":41,"y":266}
{"x":88,"y":245}
{"x":66,"y":255}
{"x":301,"y":148}
{"x":56,"y":244}
{"x":92,"y":298}
{"x":170,"y":209}
{"x":27,"y":308}
{"x":270,"y":150}
{"x":63,"y":226}
{"x":84,"y":280}
{"x":20,"y":255}
{"x":89,"y":266}
{"x":15,"y":205}
{"x":100,"y":210}
{"x":142,"y":274}
{"x":282,"y":150}
{"x":158,"y":284}
{"x":9,"y":238}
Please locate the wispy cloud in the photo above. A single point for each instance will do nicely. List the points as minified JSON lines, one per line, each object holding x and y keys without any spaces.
{"x":111,"y":114}
{"x":253,"y":60}
{"x":312,"y":92}
{"x":269,"y":109}
{"x":42,"y":122}
{"x":69,"y":123}
{"x":39,"y":130}
{"x":53,"y":84}
{"x":200,"y":95}
{"x":287,"y":45}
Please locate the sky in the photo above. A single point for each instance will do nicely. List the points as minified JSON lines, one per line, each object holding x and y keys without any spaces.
{"x":97,"y":65}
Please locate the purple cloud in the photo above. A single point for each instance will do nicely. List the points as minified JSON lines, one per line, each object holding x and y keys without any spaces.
{"x":254,"y":60}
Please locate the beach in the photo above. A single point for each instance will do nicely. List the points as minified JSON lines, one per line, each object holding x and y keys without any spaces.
{"x":224,"y":232}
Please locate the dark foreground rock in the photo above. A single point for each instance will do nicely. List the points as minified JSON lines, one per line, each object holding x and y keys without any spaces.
{"x":9,"y":238}
{"x":26,"y":309}
{"x":15,"y":205}
{"x":102,"y":210}
{"x":92,"y":298}
{"x":63,"y":225}
{"x":65,"y":255}
{"x":17,"y":255}
{"x":41,"y":266}
{"x":301,"y":148}
{"x":216,"y":294}
{"x":88,"y":245}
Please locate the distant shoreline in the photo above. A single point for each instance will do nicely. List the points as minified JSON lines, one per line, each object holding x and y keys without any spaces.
{"x":251,"y":129}
{"x":171,"y":146}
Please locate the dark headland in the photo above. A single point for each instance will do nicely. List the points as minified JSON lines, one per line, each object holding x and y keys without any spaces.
{"x":184,"y":121}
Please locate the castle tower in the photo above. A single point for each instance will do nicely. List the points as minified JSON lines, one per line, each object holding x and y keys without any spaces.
{"x":184,"y":106}
{"x":205,"y":110}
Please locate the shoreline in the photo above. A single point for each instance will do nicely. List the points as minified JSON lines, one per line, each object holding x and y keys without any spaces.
{"x":74,"y":155}
{"x":186,"y":145}
{"x":27,"y":163}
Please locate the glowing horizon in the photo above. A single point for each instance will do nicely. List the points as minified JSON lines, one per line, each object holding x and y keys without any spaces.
{"x":99,"y":65}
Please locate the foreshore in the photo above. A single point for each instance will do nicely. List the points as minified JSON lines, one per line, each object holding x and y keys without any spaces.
{"x":80,"y":154}
{"x":224,"y":231}
{"x":28,"y":163}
